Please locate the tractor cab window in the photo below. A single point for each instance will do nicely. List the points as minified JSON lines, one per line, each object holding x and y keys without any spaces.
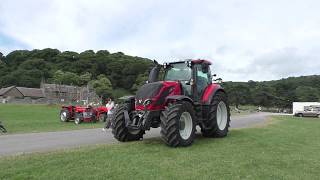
{"x":180,"y":72}
{"x":203,"y":78}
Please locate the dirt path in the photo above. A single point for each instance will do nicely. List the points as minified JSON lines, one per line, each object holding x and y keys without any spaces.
{"x":49,"y":141}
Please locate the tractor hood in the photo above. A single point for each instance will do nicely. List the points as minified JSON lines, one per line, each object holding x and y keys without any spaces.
{"x":152,"y":95}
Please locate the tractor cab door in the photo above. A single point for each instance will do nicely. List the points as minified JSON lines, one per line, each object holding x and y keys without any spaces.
{"x":202,"y":80}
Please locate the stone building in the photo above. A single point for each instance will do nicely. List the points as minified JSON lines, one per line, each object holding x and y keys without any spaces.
{"x":49,"y":93}
{"x":21,"y":95}
{"x":59,"y":93}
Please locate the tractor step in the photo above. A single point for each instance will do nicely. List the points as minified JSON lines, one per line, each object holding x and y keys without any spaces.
{"x":134,"y":127}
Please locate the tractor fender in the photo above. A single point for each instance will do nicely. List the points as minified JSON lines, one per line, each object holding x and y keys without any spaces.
{"x":210,"y":92}
{"x":179,"y":98}
{"x":127,"y":99}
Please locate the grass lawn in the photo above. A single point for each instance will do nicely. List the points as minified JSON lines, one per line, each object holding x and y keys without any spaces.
{"x":288,"y":148}
{"x":36,"y":118}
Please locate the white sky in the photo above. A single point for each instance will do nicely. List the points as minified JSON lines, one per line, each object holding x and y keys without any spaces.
{"x":245,"y":39}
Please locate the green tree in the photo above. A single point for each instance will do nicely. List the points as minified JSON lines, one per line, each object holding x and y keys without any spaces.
{"x":307,"y":94}
{"x":141,"y":79}
{"x":85,"y":78}
{"x":67,"y":78}
{"x":102,"y":86}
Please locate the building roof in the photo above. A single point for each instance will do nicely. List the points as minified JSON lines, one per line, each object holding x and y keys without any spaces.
{"x":26,"y":92}
{"x":4,"y":90}
{"x":31,"y":92}
{"x":60,"y":87}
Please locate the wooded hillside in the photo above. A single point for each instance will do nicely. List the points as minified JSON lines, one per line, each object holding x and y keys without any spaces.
{"x":28,"y":68}
{"x":112,"y":73}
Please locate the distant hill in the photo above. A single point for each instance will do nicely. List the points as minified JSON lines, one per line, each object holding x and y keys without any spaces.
{"x":28,"y":68}
{"x":276,"y":93}
{"x":126,"y":73}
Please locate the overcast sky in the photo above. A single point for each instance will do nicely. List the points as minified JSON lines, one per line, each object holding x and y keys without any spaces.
{"x":244,"y":39}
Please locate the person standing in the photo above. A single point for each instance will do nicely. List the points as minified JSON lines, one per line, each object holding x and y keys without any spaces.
{"x":110,"y":106}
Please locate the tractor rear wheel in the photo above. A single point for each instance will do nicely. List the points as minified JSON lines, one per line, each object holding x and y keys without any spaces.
{"x":119,"y":129}
{"x":178,"y":124}
{"x":219,"y":117}
{"x":64,"y":115}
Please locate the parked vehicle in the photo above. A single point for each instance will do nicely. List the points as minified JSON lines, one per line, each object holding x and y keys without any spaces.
{"x":83,"y":114}
{"x":307,"y":114}
{"x":184,"y":98}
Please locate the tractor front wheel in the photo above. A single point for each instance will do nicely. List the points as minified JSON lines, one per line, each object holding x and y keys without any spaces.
{"x":78,"y":118}
{"x":178,"y":124}
{"x":119,"y":129}
{"x":64,"y":115}
{"x":218,"y":122}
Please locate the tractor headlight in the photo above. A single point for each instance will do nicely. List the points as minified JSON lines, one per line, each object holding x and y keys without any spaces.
{"x":147,"y":102}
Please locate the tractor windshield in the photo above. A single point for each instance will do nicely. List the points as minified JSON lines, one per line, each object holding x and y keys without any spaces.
{"x":178,"y":71}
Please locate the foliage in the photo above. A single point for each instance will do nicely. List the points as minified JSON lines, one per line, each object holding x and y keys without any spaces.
{"x":279,"y":93}
{"x":28,"y":68}
{"x":60,"y":77}
{"x":102,"y":86}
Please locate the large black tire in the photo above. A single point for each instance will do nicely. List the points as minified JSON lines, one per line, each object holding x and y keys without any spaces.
{"x":170,"y":124}
{"x":119,"y":129}
{"x":211,"y":127}
{"x":78,"y":118}
{"x":64,"y":115}
{"x":2,"y":129}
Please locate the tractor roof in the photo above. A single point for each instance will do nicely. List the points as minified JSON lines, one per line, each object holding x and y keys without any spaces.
{"x":194,"y":61}
{"x":201,"y":61}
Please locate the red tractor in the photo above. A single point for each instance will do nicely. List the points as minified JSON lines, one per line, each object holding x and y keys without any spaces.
{"x":83,"y":114}
{"x":184,"y":98}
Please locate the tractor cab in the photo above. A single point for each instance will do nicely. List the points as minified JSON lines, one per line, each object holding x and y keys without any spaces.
{"x":194,"y":76}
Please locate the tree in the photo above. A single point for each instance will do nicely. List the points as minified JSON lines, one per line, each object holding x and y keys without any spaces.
{"x":58,"y":77}
{"x":85,"y":78}
{"x":307,"y":94}
{"x":67,"y":78}
{"x":102,"y":86}
{"x":141,"y":79}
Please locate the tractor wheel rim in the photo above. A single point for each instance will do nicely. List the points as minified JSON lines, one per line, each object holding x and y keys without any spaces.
{"x":222,"y":115}
{"x":185,"y":129}
{"x":63,"y":116}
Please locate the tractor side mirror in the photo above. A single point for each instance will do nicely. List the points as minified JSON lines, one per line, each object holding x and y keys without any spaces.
{"x":189,"y":82}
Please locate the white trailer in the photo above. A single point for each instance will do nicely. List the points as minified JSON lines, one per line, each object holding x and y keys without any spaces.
{"x":299,"y":106}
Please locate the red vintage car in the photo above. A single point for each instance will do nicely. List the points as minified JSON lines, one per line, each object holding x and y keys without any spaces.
{"x":83,"y":114}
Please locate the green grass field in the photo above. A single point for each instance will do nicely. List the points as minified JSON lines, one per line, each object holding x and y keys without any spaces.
{"x":36,"y":118}
{"x":19,"y":118}
{"x":287,"y":148}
